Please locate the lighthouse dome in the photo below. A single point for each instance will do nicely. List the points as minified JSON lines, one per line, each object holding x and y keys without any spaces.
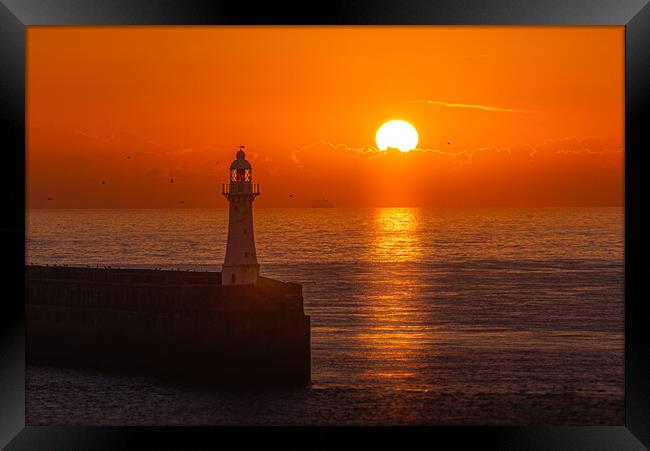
{"x":240,"y":162}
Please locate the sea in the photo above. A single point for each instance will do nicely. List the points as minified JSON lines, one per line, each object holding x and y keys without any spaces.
{"x":419,"y":316}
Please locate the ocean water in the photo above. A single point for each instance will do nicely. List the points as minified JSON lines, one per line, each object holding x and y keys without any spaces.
{"x":419,"y":316}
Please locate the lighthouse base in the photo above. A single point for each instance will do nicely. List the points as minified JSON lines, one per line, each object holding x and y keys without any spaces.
{"x":240,"y":274}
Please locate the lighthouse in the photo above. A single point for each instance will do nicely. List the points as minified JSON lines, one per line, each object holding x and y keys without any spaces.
{"x":240,"y":266}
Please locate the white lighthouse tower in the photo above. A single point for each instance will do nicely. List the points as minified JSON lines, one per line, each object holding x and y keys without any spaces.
{"x":240,"y":266}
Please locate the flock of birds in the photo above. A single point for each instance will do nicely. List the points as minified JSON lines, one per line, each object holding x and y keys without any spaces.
{"x":128,"y":157}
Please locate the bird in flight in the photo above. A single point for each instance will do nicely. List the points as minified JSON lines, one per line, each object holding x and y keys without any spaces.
{"x":50,"y":198}
{"x":128,"y":157}
{"x":103,"y":182}
{"x":290,"y":195}
{"x":172,"y":181}
{"x":180,"y":202}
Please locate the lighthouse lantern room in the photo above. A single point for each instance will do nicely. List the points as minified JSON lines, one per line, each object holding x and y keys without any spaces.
{"x":240,"y":266}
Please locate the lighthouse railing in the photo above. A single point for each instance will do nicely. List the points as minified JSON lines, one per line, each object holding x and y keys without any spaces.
{"x":227,"y":188}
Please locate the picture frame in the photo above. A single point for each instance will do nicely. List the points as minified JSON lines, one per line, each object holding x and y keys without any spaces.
{"x":16,"y":15}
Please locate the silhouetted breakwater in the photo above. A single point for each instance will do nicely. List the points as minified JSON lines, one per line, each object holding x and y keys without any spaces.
{"x":171,"y":323}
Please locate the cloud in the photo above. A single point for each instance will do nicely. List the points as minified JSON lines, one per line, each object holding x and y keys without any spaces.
{"x":570,"y":170}
{"x":485,"y":55}
{"x":494,"y":151}
{"x":565,"y":171}
{"x":180,"y":151}
{"x":94,"y":136}
{"x":314,"y":156}
{"x":573,"y":145}
{"x":363,"y":150}
{"x":372,"y":153}
{"x":473,"y":106}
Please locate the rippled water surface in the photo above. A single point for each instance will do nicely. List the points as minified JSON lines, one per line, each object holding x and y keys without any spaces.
{"x":419,"y":316}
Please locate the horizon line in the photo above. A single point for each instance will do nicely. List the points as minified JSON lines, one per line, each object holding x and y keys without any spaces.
{"x":334,"y":208}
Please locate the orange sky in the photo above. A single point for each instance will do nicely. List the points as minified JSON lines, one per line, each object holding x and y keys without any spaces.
{"x":534,"y":116}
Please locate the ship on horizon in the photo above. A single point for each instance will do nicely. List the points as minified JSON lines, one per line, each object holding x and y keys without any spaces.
{"x":321,"y":203}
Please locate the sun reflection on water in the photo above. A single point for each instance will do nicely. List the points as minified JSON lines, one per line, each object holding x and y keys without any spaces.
{"x":395,"y":334}
{"x":396,"y":235}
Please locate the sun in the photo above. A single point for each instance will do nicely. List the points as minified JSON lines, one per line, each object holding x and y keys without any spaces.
{"x":397,"y":134}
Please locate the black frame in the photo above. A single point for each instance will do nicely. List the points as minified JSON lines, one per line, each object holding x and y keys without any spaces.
{"x":15,"y":15}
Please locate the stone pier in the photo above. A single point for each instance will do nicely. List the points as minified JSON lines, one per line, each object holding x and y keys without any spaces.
{"x":176,"y":324}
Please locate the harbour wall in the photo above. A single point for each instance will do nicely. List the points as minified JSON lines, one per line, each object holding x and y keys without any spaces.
{"x":176,"y":324}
